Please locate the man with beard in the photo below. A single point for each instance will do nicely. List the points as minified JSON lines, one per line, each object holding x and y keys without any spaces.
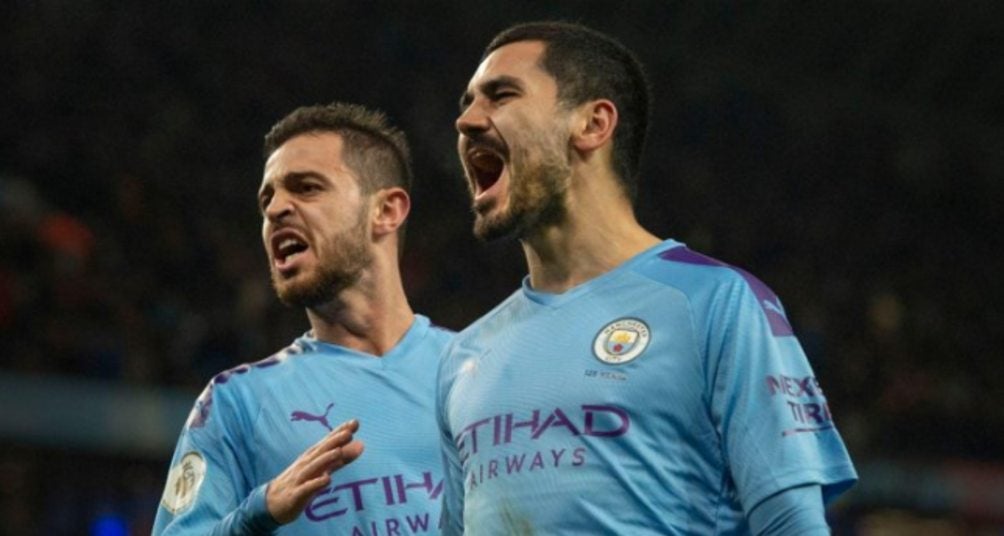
{"x":631,"y":386}
{"x":263,"y":439}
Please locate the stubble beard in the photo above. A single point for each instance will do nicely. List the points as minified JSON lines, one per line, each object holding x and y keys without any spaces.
{"x":536,"y":197}
{"x":335,"y":272}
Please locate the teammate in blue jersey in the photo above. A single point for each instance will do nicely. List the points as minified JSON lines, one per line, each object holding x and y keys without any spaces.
{"x":631,"y":386}
{"x":257,"y":453}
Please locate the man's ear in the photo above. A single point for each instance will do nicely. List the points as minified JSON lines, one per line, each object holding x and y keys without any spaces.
{"x":390,"y":208}
{"x":595,"y":124}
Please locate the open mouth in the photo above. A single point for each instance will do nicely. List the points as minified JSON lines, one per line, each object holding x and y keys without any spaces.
{"x":285,"y":247}
{"x":485,"y":167}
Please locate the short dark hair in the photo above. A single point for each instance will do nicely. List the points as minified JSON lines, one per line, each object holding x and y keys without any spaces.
{"x":375,"y":150}
{"x":586,"y":65}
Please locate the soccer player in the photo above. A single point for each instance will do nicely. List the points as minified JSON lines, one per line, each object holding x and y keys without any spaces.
{"x":257,"y":452}
{"x":631,"y":386}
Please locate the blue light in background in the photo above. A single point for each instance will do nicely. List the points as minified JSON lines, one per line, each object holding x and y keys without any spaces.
{"x":109,"y":525}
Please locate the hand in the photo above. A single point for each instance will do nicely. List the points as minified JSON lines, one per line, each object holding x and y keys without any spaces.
{"x":288,"y":494}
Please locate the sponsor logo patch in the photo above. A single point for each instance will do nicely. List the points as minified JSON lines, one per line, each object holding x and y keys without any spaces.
{"x":183,"y":483}
{"x":621,"y":341}
{"x":321,"y":418}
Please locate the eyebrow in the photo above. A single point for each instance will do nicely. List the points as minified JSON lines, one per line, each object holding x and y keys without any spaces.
{"x":292,"y":176}
{"x":491,"y":86}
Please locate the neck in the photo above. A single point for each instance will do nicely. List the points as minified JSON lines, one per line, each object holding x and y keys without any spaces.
{"x":371,"y":316}
{"x":599,"y":233}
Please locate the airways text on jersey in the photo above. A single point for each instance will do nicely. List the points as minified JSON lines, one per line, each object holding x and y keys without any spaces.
{"x":479,"y":442}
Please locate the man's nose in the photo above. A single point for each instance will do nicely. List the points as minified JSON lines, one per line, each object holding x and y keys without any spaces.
{"x":473,"y":119}
{"x":278,"y":206}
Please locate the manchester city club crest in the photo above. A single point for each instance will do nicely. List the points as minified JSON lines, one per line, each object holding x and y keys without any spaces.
{"x":621,"y":341}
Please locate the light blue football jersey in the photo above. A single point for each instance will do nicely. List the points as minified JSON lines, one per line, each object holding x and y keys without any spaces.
{"x":253,"y":421}
{"x":667,"y":396}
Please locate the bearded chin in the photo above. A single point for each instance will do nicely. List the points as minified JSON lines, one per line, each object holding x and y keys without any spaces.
{"x":500,"y":226}
{"x":334,"y":274}
{"x":536,"y":200}
{"x":316,"y":289}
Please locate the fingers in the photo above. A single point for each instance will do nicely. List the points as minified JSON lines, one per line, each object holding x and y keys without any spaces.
{"x":287,"y":495}
{"x":318,"y":471}
{"x":292,"y":496}
{"x":352,"y":425}
{"x":331,"y":460}
{"x":333,"y":451}
{"x":337,"y":437}
{"x":351,"y":451}
{"x":310,"y":487}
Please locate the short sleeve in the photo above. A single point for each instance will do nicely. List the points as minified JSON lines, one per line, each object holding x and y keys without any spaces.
{"x":767,"y":404}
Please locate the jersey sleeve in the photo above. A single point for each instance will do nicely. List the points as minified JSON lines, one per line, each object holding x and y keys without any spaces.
{"x":793,"y":511}
{"x":452,"y":512}
{"x":768,"y":407}
{"x":209,"y":488}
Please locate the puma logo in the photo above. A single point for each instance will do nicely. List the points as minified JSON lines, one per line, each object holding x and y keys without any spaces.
{"x":304,"y":416}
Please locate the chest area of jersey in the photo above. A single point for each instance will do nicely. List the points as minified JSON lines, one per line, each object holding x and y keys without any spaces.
{"x":618,"y":349}
{"x":585,"y":371}
{"x":397,"y":481}
{"x":301,"y":410}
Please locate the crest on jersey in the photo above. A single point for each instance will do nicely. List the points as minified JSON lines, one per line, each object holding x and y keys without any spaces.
{"x":183,"y":483}
{"x":621,"y":341}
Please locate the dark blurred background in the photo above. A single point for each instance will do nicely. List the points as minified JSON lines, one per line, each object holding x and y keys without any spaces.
{"x":851,"y":154}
